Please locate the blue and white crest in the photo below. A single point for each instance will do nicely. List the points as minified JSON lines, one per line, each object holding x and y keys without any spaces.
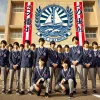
{"x":54,"y":22}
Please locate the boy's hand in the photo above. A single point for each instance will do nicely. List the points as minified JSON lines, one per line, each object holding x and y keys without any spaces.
{"x":62,"y":82}
{"x":15,"y":66}
{"x":54,"y":65}
{"x":63,"y":88}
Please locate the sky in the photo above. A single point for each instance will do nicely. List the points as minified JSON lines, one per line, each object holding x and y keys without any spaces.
{"x":3,"y":10}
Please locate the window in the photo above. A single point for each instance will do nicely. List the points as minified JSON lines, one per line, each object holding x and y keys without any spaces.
{"x":88,"y":8}
{"x":91,"y":33}
{"x":16,"y":35}
{"x":1,"y":35}
{"x":18,"y":8}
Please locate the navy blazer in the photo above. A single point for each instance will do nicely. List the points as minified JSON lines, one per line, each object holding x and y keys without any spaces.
{"x":66,"y":55}
{"x":76,"y":54}
{"x":40,"y":52}
{"x":60,"y":57}
{"x":15,"y":59}
{"x":43,"y":73}
{"x":27,"y":58}
{"x":87,"y":57}
{"x":68,"y":74}
{"x":96,"y":59}
{"x":4,"y":57}
{"x":52,"y":57}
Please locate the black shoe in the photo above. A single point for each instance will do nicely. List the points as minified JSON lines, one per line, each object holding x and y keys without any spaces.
{"x":70,"y":95}
{"x":94,"y":92}
{"x":3,"y":92}
{"x":46,"y":95}
{"x":67,"y":92}
{"x":29,"y":92}
{"x":38,"y":93}
{"x":22,"y":93}
{"x":74,"y":92}
{"x":84,"y":93}
{"x":50,"y":92}
{"x":9,"y":92}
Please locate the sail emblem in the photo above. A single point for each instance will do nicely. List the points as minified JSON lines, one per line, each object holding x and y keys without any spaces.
{"x":54,"y":22}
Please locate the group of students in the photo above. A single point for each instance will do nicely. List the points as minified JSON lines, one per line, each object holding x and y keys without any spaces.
{"x":39,"y":65}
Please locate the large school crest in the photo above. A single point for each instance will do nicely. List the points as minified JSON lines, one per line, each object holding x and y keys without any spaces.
{"x":54,"y":22}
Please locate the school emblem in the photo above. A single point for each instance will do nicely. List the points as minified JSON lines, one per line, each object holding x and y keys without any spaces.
{"x":54,"y":22}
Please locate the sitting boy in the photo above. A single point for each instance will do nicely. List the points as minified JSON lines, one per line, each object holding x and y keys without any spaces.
{"x":41,"y":78}
{"x":66,"y":78}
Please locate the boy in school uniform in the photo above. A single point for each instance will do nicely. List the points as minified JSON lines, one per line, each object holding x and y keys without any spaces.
{"x":96,"y":61}
{"x":21,"y":47}
{"x":88,"y":66}
{"x":75,"y":57}
{"x":66,"y":53}
{"x":14,"y":61}
{"x":66,"y":78}
{"x":26,"y":67}
{"x":40,"y":51}
{"x":41,"y":78}
{"x":4,"y":58}
{"x":60,"y":56}
{"x":33,"y":47}
{"x":53,"y":62}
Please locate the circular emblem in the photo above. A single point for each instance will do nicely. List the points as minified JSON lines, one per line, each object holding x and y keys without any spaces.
{"x":54,"y":22}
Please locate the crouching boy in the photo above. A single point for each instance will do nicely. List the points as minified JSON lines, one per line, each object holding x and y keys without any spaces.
{"x":66,"y":79}
{"x":41,"y":78}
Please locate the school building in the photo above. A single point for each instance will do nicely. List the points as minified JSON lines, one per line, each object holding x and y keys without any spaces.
{"x":12,"y":31}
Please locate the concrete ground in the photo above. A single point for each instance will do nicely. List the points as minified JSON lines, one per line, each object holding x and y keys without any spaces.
{"x":54,"y":96}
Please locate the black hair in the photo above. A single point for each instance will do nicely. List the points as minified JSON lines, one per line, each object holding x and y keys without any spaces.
{"x":66,"y":46}
{"x":33,"y":45}
{"x":59,"y":46}
{"x":4,"y":42}
{"x":52,"y":42}
{"x":21,"y":45}
{"x":67,"y":61}
{"x":10,"y":45}
{"x":16,"y":43}
{"x":75,"y":38}
{"x":27,"y":41}
{"x":41,"y":40}
{"x":86,"y":42}
{"x":42,"y":58}
{"x":94,"y":43}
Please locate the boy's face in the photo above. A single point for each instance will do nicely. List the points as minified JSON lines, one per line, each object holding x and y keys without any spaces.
{"x":52,"y":45}
{"x":15,"y":47}
{"x":75,"y":41}
{"x":65,"y":65}
{"x":95,"y":46}
{"x":86,"y":45}
{"x":10,"y":48}
{"x":21,"y":48}
{"x":32,"y":48}
{"x":41,"y":63}
{"x":26,"y":45}
{"x":59,"y":49}
{"x":41,"y":43}
{"x":66,"y":49}
{"x":3,"y":45}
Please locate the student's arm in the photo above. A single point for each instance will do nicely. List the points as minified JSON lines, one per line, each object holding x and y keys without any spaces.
{"x":92,"y":57}
{"x":35,"y":56}
{"x":10,"y":58}
{"x":70,"y":55}
{"x":19,"y":62}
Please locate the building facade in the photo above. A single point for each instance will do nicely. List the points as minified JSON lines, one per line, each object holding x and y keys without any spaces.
{"x":12,"y":31}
